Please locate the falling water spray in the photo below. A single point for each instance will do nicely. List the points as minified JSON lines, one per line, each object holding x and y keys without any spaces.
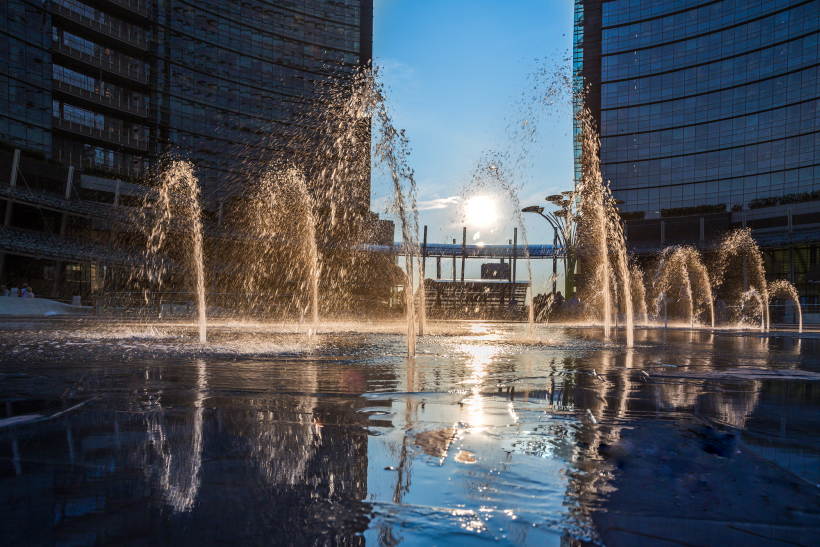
{"x":739,"y":251}
{"x":601,"y":233}
{"x":681,"y":268}
{"x":173,"y":207}
{"x":275,"y":258}
{"x":782,"y":288}
{"x":752,"y":295}
{"x":493,"y":174}
{"x":351,"y":137}
{"x":639,"y":292}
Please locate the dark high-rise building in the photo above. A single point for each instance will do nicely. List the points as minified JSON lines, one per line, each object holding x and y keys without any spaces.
{"x":708,"y":117}
{"x":92,"y":92}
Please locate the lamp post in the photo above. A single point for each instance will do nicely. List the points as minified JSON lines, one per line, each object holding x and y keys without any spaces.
{"x":540,"y":211}
{"x":563,"y":222}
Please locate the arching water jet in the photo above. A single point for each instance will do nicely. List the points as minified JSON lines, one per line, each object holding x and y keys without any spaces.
{"x":739,"y":248}
{"x":639,"y":292}
{"x":782,"y":288}
{"x":682,"y":266}
{"x":602,"y":244}
{"x":354,"y":137}
{"x":171,"y":207}
{"x":752,"y":295}
{"x":277,"y":263}
{"x":491,"y":173}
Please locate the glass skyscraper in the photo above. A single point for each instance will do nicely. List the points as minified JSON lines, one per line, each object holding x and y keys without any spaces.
{"x":708,"y":117}
{"x":233,"y":76}
{"x":92,"y":92}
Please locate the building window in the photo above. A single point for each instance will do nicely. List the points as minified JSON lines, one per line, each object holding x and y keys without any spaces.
{"x":82,"y":116}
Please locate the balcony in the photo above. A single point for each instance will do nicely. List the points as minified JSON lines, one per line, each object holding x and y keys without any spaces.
{"x":40,"y":244}
{"x":123,"y":35}
{"x":108,"y":136}
{"x":139,"y":7}
{"x":113,"y":63}
{"x":117,"y":103}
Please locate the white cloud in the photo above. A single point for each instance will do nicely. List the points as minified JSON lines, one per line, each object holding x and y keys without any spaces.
{"x":438,"y":203}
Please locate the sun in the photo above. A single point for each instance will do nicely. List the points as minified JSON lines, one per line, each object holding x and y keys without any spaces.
{"x":481,"y":211}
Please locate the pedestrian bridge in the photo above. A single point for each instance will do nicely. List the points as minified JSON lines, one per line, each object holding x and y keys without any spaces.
{"x":433,"y":250}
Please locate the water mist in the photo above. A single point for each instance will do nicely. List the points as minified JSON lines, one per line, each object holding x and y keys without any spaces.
{"x":782,"y":288}
{"x":601,"y":235}
{"x":172,"y":208}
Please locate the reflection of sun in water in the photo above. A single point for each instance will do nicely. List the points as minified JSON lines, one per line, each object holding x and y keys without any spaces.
{"x":478,"y":358}
{"x":481,"y":211}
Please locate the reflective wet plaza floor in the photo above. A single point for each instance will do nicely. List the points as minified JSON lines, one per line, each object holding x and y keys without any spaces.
{"x":130,"y":434}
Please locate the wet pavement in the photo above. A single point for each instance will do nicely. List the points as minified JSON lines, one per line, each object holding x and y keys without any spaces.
{"x":129,"y":434}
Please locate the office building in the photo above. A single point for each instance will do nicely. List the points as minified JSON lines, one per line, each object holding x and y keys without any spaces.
{"x":92,"y":92}
{"x":708,"y":118}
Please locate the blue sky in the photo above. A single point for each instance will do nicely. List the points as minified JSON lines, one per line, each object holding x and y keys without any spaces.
{"x":457,"y":73}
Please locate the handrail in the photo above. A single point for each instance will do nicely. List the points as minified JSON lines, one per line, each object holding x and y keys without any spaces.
{"x":119,"y":103}
{"x":137,"y":6}
{"x":472,"y":251}
{"x":105,"y":62}
{"x":108,"y":135}
{"x":28,"y":242}
{"x":137,"y":40}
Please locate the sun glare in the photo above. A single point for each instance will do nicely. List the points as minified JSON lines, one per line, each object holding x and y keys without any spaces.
{"x":481,"y":211}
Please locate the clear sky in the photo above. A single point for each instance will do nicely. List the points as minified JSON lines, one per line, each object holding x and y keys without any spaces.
{"x":457,"y":73}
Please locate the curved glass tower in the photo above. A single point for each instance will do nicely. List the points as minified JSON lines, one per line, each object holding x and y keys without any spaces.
{"x":708,"y":103}
{"x":708,"y":116}
{"x":232,"y":76}
{"x":92,"y":92}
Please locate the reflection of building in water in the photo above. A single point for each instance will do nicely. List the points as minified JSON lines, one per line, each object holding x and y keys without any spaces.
{"x":201,"y":464}
{"x":728,"y":404}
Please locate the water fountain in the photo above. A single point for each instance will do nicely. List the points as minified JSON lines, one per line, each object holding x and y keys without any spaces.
{"x":172,"y":207}
{"x":739,"y":251}
{"x":352,"y":127}
{"x":638,"y":292}
{"x":392,"y":150}
{"x":784,"y":289}
{"x":682,"y":266}
{"x":492,"y":174}
{"x":293,"y":242}
{"x":752,"y":296}
{"x":602,"y":247}
{"x":276,"y":259}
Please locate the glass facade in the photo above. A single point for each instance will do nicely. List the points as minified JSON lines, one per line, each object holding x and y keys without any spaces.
{"x":709,"y":103}
{"x":106,"y":87}
{"x":213,"y":80}
{"x":233,"y":75}
{"x":709,"y":120}
{"x":25,"y":76}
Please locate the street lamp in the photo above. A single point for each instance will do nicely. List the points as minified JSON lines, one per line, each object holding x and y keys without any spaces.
{"x":537,"y":209}
{"x":563,"y":222}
